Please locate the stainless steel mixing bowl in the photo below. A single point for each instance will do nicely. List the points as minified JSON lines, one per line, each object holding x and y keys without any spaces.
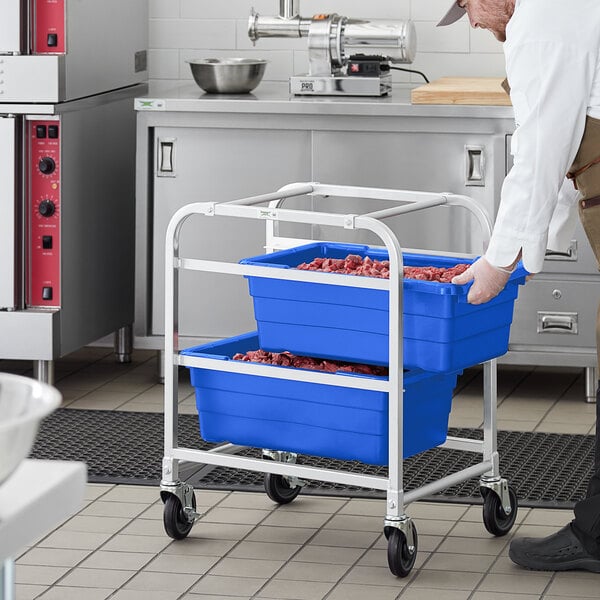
{"x":228,"y":75}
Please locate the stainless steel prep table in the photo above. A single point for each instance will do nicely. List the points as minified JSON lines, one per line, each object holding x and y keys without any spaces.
{"x":236,"y":146}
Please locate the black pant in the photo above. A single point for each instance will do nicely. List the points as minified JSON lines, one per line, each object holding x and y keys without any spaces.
{"x":587,"y":511}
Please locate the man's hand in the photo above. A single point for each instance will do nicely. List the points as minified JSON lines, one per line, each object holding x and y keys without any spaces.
{"x":488,"y":281}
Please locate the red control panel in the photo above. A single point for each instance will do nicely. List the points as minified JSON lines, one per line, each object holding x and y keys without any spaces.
{"x":49,"y":26}
{"x":44,"y":212}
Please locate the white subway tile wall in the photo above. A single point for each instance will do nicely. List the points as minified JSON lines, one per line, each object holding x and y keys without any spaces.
{"x":184,"y":29}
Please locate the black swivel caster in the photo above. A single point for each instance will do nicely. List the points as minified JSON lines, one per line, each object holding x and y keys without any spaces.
{"x":279,"y":489}
{"x":401,"y":557}
{"x":177,"y":525}
{"x":496,"y":521}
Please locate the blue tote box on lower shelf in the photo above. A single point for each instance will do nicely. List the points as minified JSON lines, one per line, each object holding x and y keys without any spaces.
{"x":311,"y":418}
{"x":442,"y":332}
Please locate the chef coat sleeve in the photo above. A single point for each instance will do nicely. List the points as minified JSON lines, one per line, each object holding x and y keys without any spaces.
{"x":565,"y":218}
{"x":550,"y":87}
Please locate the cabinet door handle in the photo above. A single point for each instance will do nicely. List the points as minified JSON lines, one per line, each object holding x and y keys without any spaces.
{"x":570,"y":254}
{"x":166,"y":157}
{"x":557,"y":322}
{"x":475,"y":165}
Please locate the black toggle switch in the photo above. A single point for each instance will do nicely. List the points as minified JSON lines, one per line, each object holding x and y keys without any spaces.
{"x":40,"y":131}
{"x":52,"y":131}
{"x":46,"y":293}
{"x":47,"y":242}
{"x":52,"y":40}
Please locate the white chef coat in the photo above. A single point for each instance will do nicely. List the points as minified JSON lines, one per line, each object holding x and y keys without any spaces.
{"x":552,"y":52}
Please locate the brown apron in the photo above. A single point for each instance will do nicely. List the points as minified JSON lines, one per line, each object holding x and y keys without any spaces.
{"x":585,"y":173}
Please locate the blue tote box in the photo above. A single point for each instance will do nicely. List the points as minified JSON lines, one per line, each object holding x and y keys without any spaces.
{"x":442,"y":332}
{"x":311,"y":418}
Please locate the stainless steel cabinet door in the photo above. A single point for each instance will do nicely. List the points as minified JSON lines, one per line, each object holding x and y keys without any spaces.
{"x":421,"y":161}
{"x":204,"y":164}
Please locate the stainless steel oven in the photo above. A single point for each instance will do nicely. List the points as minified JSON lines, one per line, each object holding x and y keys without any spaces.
{"x":57,"y":50}
{"x":69,"y":73}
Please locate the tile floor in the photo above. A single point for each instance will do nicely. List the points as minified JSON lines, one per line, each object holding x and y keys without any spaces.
{"x":314,"y":548}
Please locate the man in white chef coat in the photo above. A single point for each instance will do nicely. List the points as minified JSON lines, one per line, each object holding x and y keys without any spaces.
{"x":552,"y":51}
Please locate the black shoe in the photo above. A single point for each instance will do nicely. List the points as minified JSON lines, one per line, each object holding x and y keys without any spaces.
{"x":561,"y":551}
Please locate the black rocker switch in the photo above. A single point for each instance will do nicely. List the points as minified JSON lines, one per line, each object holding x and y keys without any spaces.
{"x":52,"y":40}
{"x":47,"y":293}
{"x":47,"y":242}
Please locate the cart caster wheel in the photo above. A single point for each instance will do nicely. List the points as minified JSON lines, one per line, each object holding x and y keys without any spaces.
{"x":175,"y":520}
{"x":400,"y":558}
{"x":279,"y":490}
{"x":496,"y":521}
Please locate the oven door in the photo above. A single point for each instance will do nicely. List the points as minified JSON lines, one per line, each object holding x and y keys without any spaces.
{"x":10,"y":221}
{"x":11,"y":27}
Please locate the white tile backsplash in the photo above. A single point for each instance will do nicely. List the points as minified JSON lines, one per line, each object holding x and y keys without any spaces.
{"x":374,"y":9}
{"x":164,"y":63}
{"x":182,"y":29}
{"x":461,"y":65}
{"x":432,"y":39}
{"x":164,"y":9}
{"x":207,"y":34}
{"x":428,"y":10}
{"x":161,"y":35}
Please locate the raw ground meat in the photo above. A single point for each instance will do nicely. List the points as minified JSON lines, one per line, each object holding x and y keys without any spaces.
{"x":441,"y":274}
{"x":287,"y":359}
{"x":351,"y":265}
{"x":356,"y":265}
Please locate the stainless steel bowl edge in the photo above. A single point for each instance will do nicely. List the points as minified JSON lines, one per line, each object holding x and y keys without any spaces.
{"x":227,"y":75}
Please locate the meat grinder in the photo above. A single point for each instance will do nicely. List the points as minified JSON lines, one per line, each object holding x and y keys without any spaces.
{"x":339,"y":64}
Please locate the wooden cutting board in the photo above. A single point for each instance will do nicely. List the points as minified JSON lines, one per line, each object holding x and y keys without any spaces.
{"x":462,"y":90}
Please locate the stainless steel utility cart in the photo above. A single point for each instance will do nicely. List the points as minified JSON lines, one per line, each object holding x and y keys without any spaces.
{"x":284,"y":477}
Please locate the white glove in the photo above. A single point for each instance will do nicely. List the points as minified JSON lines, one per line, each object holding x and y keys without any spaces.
{"x":488,"y":280}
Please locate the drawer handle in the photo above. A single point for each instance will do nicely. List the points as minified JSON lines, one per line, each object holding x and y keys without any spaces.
{"x":570,"y":254}
{"x":561,"y":322}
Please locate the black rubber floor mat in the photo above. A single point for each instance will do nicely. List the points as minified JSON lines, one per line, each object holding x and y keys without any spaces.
{"x":546,"y":469}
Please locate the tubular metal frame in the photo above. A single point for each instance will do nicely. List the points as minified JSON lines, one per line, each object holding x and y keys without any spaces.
{"x":273,"y":214}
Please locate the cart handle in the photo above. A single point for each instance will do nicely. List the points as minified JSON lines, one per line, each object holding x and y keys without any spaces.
{"x":413,"y":200}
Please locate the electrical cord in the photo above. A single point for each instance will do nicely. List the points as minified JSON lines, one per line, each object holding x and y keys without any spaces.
{"x":411,"y":71}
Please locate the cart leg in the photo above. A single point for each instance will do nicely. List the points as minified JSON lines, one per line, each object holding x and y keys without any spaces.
{"x":170,"y":472}
{"x":490,"y":421}
{"x":499,"y":499}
